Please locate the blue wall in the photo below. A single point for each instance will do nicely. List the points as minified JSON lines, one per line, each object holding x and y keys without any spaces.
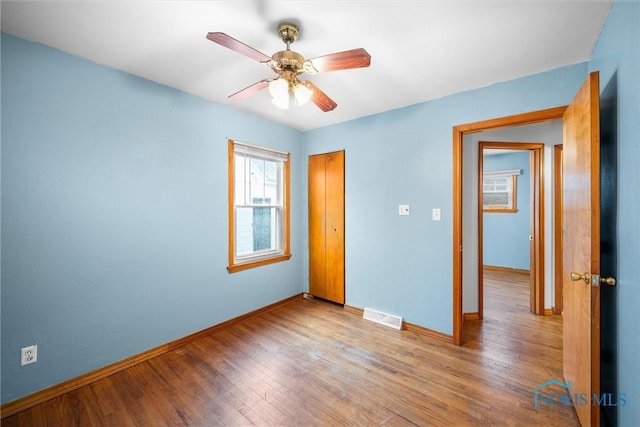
{"x":114,"y":207}
{"x":403,"y":264}
{"x":617,"y":57}
{"x":114,"y":215}
{"x":504,"y":235}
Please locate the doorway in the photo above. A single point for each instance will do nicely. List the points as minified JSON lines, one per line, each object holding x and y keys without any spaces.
{"x":522,"y":225}
{"x":458,"y":139}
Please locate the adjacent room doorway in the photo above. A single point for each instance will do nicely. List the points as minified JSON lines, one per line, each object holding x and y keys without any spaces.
{"x":533,"y":210}
{"x":458,"y":140}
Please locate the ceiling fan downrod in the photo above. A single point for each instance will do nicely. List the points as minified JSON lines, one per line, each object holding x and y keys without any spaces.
{"x":288,"y":33}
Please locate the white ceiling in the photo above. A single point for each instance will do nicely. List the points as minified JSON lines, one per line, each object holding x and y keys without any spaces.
{"x":420,"y":50}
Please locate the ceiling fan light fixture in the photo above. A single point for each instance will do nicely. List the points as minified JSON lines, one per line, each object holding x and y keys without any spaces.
{"x":280,"y":94}
{"x":302,"y":93}
{"x":278,"y":88}
{"x":282,"y":91}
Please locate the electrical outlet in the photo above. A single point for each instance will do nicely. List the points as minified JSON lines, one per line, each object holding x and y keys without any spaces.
{"x":28,"y":355}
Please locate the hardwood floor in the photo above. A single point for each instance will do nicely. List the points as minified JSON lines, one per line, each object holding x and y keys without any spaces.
{"x":313,"y":363}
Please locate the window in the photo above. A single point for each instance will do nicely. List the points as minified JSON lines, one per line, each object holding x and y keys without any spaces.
{"x":258,"y":206}
{"x":499,"y":191}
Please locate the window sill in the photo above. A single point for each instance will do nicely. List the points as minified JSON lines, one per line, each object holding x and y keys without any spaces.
{"x":500,"y":210}
{"x":252,"y":264}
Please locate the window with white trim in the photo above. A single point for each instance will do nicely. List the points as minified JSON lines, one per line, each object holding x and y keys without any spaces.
{"x":258,"y":206}
{"x":499,"y":191}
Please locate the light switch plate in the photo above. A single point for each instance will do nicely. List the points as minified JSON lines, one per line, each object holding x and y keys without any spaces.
{"x":403,"y":209}
{"x":435,"y":214}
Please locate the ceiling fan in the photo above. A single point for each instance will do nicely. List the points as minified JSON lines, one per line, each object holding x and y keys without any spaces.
{"x":288,"y":65}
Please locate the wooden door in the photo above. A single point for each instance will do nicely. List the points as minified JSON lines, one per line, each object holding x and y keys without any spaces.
{"x":326,"y":226}
{"x":317,"y":225}
{"x":581,"y":248}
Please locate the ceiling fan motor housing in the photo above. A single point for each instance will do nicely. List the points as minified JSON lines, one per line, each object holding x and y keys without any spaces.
{"x":288,"y":60}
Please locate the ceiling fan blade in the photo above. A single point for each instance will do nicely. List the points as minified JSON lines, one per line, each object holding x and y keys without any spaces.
{"x":238,"y":46}
{"x":250,"y":90}
{"x":320,"y":98}
{"x":354,"y":58}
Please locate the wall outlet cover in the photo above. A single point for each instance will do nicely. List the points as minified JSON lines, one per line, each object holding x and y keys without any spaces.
{"x":28,"y":355}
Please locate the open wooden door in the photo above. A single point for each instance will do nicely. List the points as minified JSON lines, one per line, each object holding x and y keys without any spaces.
{"x":581,"y":251}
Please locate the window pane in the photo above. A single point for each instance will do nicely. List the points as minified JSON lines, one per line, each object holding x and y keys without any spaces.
{"x":496,"y":199}
{"x":256,"y":230}
{"x":239,"y":186}
{"x":256,"y":186}
{"x":262,"y":229}
{"x":265,"y":188}
{"x":270,"y":172}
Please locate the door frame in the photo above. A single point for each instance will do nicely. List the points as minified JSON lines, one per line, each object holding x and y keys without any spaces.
{"x":557,"y":223}
{"x":458,"y":139}
{"x":536,"y":208}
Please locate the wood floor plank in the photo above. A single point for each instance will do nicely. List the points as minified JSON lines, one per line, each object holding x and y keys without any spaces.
{"x":313,"y":363}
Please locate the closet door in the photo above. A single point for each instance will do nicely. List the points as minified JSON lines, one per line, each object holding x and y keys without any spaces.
{"x":317,"y":237}
{"x":326,"y":226}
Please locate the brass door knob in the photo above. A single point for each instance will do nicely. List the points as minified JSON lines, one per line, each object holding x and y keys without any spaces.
{"x":584,"y":277}
{"x":594,"y":279}
{"x":608,"y":281}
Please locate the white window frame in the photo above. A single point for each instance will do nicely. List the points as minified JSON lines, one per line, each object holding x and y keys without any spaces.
{"x":241,"y":255}
{"x":490,"y":182}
